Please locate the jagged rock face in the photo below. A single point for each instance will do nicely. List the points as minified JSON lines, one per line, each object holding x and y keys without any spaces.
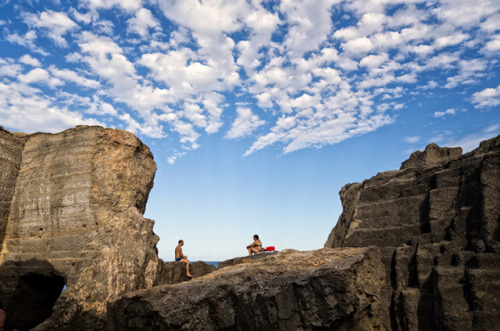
{"x":329,"y":288}
{"x":74,"y":201}
{"x":438,"y":222}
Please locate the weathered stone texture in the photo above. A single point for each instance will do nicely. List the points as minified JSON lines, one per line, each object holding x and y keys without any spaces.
{"x":436,"y":219}
{"x":11,"y":147}
{"x":335,"y":289}
{"x":175,"y":272}
{"x":76,"y":204}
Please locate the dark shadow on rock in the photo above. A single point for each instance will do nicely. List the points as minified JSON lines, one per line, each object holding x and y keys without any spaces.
{"x":28,"y":292}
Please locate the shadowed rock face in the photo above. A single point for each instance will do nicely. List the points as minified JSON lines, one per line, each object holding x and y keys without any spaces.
{"x":289,"y":290}
{"x":438,"y":222}
{"x":74,"y":201}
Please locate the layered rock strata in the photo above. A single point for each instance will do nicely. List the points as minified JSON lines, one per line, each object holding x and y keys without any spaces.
{"x":71,"y":208}
{"x":437,"y":220}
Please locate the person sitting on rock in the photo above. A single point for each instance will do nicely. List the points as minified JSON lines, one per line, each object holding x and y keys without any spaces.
{"x":255,"y":247}
{"x":181,"y":257}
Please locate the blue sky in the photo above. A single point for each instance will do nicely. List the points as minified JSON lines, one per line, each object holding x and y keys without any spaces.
{"x":257,"y":112}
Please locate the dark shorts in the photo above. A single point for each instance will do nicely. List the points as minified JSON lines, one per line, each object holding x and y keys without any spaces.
{"x":178,"y":258}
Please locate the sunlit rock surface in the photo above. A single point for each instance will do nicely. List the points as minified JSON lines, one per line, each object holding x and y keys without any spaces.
{"x":71,"y":208}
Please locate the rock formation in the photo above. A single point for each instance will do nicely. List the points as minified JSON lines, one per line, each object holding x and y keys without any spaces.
{"x":438,"y":221}
{"x":71,"y":215}
{"x":289,"y":290}
{"x":175,"y":272}
{"x":414,"y":249}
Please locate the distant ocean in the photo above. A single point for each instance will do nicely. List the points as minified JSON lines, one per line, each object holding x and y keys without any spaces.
{"x":216,"y":264}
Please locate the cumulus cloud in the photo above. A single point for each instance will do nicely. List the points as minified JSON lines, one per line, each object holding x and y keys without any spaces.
{"x":316,"y":73}
{"x":127,"y":5}
{"x":142,"y":22}
{"x":27,"y":109}
{"x":56,"y":25}
{"x":29,"y":60}
{"x":488,"y":97}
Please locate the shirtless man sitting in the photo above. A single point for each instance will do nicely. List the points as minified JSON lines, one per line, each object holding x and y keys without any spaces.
{"x":181,"y":257}
{"x":255,"y":247}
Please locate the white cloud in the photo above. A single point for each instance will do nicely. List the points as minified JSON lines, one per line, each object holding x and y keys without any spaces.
{"x":9,"y":68}
{"x":39,"y":75}
{"x":373,"y":61}
{"x":412,"y":140}
{"x":464,"y":13}
{"x":71,"y":76}
{"x":244,"y":124}
{"x":488,"y":97}
{"x":358,"y":46}
{"x":450,"y":111}
{"x":171,"y":159}
{"x":127,"y":5}
{"x":142,"y":22}
{"x":493,"y":45}
{"x":57,"y":24}
{"x":183,"y":75}
{"x":27,"y":109}
{"x":26,"y":40}
{"x":29,"y":60}
{"x":319,"y":86}
{"x":469,"y":71}
{"x":309,"y":22}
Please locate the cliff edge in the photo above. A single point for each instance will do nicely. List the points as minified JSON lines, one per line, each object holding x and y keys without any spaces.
{"x":438,"y":221}
{"x":71,"y":219}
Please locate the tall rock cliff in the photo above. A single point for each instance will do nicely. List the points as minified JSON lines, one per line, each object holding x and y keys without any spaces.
{"x":71,"y":217}
{"x":438,"y":221}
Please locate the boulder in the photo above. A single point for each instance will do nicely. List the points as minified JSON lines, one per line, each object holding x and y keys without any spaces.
{"x":289,"y":290}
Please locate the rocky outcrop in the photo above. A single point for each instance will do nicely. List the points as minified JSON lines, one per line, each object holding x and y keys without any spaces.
{"x":71,"y":209}
{"x":414,"y":249}
{"x":437,"y":220}
{"x":175,"y":272}
{"x":289,"y":290}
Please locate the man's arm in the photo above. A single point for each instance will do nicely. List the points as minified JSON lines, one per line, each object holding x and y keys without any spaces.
{"x":182,"y":254}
